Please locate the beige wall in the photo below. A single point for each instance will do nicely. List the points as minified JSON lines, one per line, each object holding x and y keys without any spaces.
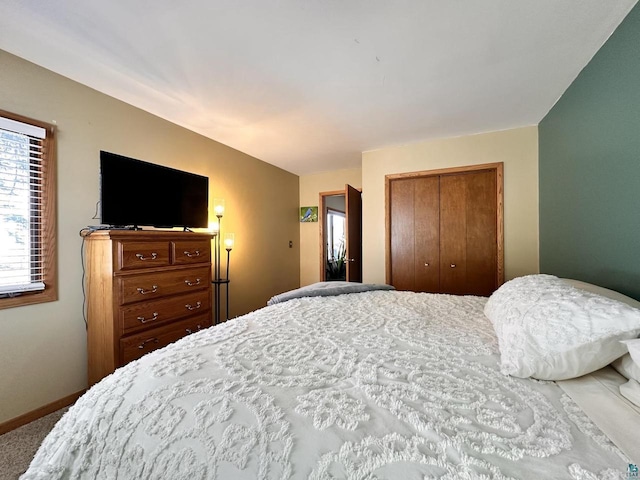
{"x":517,"y":148}
{"x":43,"y":347}
{"x":310,"y":188}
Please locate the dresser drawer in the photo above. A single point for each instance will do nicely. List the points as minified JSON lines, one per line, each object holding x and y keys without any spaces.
{"x":133,"y":255}
{"x":186,"y":252}
{"x":139,"y":316}
{"x":147,"y":286}
{"x":135,"y":346}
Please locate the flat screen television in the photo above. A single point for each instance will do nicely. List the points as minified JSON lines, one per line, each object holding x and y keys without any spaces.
{"x":135,"y":193}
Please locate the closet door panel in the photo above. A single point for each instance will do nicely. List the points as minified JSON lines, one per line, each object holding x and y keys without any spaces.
{"x":453,"y":233}
{"x":481,"y":221}
{"x":401,"y":211}
{"x":427,"y":234}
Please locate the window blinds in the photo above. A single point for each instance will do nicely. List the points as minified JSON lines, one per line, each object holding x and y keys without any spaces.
{"x":21,"y":193}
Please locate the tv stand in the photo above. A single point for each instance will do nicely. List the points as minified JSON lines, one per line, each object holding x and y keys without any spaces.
{"x":145,"y":289}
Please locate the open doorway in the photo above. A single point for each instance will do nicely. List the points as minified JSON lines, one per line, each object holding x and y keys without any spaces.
{"x":341,"y":235}
{"x":335,"y":238}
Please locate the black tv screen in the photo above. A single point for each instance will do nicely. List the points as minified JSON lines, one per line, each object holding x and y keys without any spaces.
{"x":134,"y":193}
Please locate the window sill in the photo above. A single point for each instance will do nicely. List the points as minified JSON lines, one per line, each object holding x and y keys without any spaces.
{"x":49,"y":294}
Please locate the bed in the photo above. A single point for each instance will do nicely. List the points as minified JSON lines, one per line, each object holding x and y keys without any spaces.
{"x":370,"y":385}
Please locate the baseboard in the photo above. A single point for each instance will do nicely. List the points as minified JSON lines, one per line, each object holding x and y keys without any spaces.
{"x":39,"y":412}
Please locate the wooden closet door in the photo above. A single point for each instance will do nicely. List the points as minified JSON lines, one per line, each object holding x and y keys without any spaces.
{"x":445,"y":230}
{"x":414,"y":213}
{"x":402,"y":234}
{"x":482,"y":244}
{"x":427,"y":234}
{"x":453,"y":234}
{"x":468,"y":233}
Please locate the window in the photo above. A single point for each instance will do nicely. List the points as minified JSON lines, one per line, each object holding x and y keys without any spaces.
{"x":336,"y":267}
{"x":27,"y":211}
{"x":335,"y":237}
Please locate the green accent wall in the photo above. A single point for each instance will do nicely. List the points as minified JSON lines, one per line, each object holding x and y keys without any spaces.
{"x":589,"y":147}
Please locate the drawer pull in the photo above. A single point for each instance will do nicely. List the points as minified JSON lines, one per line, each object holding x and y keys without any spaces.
{"x":196,"y":253}
{"x":188,"y":306}
{"x":145,"y":320}
{"x":189,"y":331}
{"x":192,"y":284}
{"x":141,"y":256}
{"x":149,"y":340}
{"x":142,"y":291}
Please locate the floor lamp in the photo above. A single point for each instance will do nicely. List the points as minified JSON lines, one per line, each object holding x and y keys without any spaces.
{"x":218,"y":281}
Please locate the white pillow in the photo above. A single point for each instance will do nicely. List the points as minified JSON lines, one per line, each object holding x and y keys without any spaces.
{"x":634,"y":349}
{"x":605,"y":292}
{"x":548,"y":329}
{"x":625,"y":364}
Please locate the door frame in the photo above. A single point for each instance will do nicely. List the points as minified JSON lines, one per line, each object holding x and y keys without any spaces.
{"x":498,"y":167}
{"x":322,"y":210}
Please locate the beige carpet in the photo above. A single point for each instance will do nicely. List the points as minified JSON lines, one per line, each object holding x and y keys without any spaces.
{"x":18,"y":447}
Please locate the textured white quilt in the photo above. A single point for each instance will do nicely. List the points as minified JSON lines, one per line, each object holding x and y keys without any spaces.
{"x":371,"y":385}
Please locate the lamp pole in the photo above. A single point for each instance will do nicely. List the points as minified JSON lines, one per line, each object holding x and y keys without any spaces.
{"x":217,"y":273}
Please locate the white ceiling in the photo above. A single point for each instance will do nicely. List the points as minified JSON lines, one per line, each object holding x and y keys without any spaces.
{"x":307,"y":85}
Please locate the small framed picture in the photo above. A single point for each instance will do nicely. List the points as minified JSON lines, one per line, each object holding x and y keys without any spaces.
{"x":308,"y":214}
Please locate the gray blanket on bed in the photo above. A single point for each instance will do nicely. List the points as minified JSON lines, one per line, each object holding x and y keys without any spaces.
{"x":327,"y":289}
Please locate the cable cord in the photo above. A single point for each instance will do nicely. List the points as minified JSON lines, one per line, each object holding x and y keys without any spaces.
{"x":84,"y":232}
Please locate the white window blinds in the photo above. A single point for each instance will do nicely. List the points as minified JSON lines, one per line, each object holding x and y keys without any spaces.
{"x":21,"y":208}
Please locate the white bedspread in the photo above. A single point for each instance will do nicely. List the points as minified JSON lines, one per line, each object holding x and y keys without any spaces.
{"x":372,"y":385}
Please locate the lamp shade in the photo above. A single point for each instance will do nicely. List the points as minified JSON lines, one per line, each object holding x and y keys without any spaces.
{"x":229,"y":241}
{"x":218,"y":207}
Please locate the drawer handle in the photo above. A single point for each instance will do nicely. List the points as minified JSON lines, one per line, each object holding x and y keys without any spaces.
{"x":142,"y":291}
{"x":196,"y":253}
{"x":141,"y":256}
{"x":149,"y":340}
{"x":189,"y":331}
{"x":145,"y":320}
{"x":192,"y":284}
{"x":188,"y":306}
{"x":453,"y":265}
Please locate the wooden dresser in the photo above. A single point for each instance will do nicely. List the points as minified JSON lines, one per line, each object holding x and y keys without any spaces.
{"x":144,"y":290}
